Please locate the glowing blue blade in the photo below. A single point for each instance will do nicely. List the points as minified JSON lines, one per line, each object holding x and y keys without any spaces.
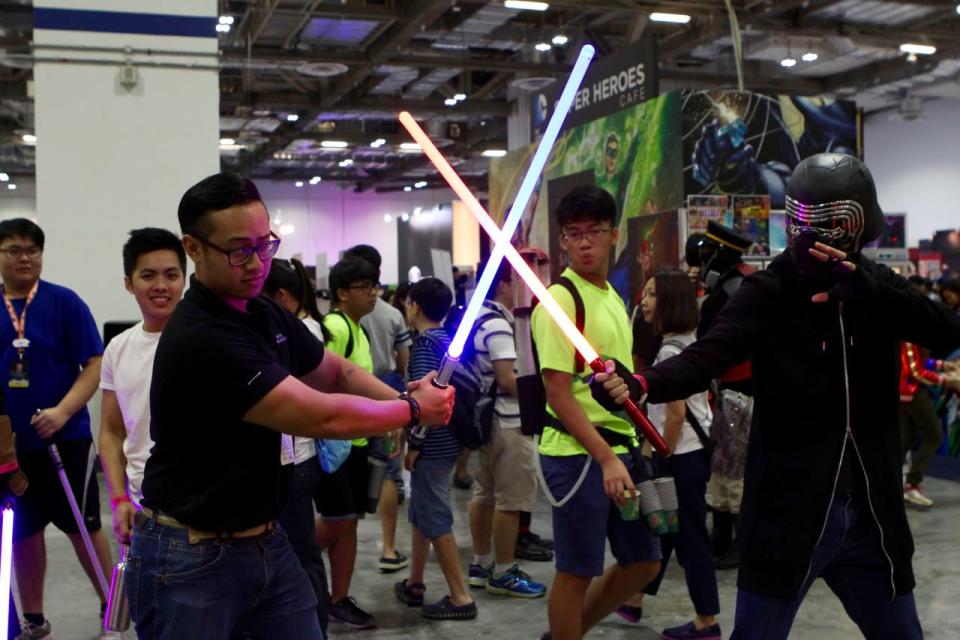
{"x":524,"y":193}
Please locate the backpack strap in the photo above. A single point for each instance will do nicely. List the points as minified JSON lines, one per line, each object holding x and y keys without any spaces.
{"x":349,"y":349}
{"x":580,"y":318}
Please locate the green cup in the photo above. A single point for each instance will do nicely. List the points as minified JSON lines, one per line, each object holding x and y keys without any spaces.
{"x":631,"y":510}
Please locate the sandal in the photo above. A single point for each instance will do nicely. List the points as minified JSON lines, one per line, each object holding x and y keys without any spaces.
{"x":446,"y":610}
{"x":410,"y":594}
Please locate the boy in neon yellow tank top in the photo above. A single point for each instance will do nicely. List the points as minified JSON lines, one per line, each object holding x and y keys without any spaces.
{"x":341,"y":496}
{"x":580,"y":429}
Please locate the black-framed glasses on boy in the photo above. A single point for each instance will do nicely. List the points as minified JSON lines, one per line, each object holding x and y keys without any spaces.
{"x":241,"y":256}
{"x":590,"y":234}
{"x":368,"y":288}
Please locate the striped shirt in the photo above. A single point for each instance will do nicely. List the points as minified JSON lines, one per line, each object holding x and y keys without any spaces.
{"x":492,"y":341}
{"x":425,"y":357}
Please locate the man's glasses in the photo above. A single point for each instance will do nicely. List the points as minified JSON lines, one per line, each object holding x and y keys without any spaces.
{"x":368,"y":288}
{"x":613,"y":152}
{"x":591,"y":234}
{"x":16,"y":252}
{"x":239,"y":257}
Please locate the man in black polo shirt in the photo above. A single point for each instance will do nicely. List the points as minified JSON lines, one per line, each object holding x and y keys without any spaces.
{"x":231,"y":372}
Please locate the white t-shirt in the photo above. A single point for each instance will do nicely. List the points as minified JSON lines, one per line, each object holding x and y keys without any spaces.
{"x":698,"y":402}
{"x":492,"y":341}
{"x":127,"y":370}
{"x":294,"y":449}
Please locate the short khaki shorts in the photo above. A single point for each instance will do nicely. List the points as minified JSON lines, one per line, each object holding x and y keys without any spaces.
{"x":506,"y":476}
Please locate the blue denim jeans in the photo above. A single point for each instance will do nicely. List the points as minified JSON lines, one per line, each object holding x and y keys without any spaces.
{"x":851,"y":561}
{"x":249,"y":588}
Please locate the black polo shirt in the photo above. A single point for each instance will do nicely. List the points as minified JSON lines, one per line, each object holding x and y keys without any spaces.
{"x":209,"y":468}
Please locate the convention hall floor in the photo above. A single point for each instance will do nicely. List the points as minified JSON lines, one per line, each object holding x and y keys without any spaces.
{"x":72,"y":606}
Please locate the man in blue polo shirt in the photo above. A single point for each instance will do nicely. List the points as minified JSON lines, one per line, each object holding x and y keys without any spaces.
{"x":232,"y":371}
{"x":50,"y":367}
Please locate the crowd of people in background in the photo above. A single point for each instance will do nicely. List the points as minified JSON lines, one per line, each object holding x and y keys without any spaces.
{"x":244,"y":371}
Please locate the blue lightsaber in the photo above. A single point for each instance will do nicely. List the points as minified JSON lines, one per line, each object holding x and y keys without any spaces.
{"x":524,"y":193}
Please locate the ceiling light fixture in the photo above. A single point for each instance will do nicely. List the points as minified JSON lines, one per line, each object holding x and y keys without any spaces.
{"x":345,"y":163}
{"x":408,"y":189}
{"x":675,"y":18}
{"x":410,"y":147}
{"x":543,"y":46}
{"x":227,"y":142}
{"x":460,"y":97}
{"x":226,"y":20}
{"x":919,"y":49}
{"x":4,"y":177}
{"x":809,"y":56}
{"x":494,"y":153}
{"x":12,"y":187}
{"x":315,"y":180}
{"x":223,"y":28}
{"x":420,"y":185}
{"x":526,"y":5}
{"x":292,"y":117}
{"x":387,"y":217}
{"x":788,"y":62}
{"x":379,"y":142}
{"x":334,"y":144}
{"x":29,"y":138}
{"x":450,"y":102}
{"x":298,"y":183}
{"x":405,"y":216}
{"x":560,"y":40}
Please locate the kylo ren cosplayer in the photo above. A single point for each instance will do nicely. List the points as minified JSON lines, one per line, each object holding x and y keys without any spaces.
{"x":823,"y":495}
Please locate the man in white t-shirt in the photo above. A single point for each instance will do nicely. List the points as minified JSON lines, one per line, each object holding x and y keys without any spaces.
{"x":154,"y":265}
{"x":506,"y":481}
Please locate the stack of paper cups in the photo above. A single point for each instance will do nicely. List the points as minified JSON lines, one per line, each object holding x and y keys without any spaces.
{"x":667,"y":491}
{"x":651,"y":508}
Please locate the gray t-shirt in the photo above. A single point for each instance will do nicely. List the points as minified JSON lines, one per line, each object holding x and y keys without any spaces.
{"x":493,"y":340}
{"x":387,"y":332}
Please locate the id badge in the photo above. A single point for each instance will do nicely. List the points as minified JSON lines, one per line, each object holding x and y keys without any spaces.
{"x":19,"y":374}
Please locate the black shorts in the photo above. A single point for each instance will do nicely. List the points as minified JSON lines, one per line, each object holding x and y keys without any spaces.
{"x":342,"y":495}
{"x":45,"y":501}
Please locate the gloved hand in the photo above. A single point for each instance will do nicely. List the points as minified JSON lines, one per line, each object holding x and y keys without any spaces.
{"x":10,"y":474}
{"x":851,"y":282}
{"x":612,"y":389}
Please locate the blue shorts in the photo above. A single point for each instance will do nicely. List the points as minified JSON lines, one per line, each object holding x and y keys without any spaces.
{"x":581,"y":526}
{"x":429,"y":509}
{"x":394,"y":465}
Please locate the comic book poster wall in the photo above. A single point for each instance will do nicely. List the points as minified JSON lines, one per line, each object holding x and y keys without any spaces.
{"x":749,"y":143}
{"x":751,"y":219}
{"x":703,"y":209}
{"x":633,"y":154}
{"x":653,"y":242}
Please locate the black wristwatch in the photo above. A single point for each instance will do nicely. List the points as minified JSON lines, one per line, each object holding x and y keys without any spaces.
{"x":414,"y":410}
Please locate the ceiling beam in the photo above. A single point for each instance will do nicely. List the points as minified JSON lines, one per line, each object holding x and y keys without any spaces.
{"x":885,"y":72}
{"x":386,"y":105}
{"x":421,"y":14}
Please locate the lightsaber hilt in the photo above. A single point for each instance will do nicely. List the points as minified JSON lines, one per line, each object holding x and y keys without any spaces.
{"x":637,"y":416}
{"x":447,"y":366}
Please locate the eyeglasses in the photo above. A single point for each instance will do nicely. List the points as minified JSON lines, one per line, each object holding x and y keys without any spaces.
{"x":239,"y":257}
{"x":613,"y":152}
{"x":368,"y":288}
{"x":591,"y":234}
{"x":17,"y":252}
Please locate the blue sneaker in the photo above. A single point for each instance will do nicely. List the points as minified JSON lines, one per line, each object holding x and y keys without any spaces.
{"x":515,"y":583}
{"x":479,"y":575}
{"x":689,"y":631}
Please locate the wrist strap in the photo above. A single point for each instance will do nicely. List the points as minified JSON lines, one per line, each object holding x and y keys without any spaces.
{"x":118,"y":500}
{"x":414,"y":410}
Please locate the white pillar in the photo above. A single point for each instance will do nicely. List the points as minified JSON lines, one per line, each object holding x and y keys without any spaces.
{"x":127,"y":117}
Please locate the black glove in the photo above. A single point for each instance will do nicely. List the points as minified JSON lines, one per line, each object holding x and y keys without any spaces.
{"x":852,"y":286}
{"x":603,"y":397}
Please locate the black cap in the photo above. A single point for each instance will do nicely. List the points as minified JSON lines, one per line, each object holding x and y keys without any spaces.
{"x":830,"y":177}
{"x":726,"y":237}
